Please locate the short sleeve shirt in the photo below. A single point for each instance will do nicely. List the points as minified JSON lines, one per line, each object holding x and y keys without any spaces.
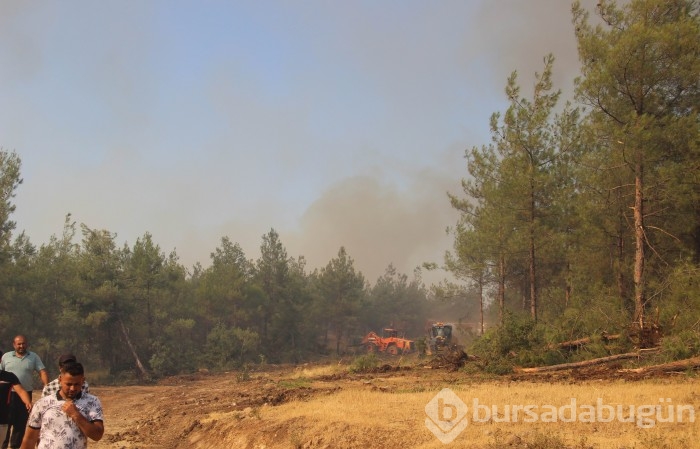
{"x":23,"y":367}
{"x":55,"y":385}
{"x":58,"y":431}
{"x":7,"y":380}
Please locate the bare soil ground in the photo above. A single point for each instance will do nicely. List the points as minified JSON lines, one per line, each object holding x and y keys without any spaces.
{"x":182,"y":410}
{"x":227,"y":410}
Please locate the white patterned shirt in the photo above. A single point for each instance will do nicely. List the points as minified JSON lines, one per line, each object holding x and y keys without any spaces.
{"x":58,"y":431}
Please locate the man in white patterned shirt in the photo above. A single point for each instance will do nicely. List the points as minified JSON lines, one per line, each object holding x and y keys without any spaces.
{"x":66,"y":419}
{"x":55,"y":385}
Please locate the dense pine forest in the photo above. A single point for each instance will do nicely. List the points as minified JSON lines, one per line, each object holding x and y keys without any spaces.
{"x":578,"y":219}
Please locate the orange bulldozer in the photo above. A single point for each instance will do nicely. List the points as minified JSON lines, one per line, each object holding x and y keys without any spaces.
{"x":389,"y":342}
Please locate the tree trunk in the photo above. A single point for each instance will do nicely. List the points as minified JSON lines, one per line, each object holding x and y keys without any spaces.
{"x":696,"y":237}
{"x":586,"y":363}
{"x":575,"y":344}
{"x":639,"y":259}
{"x":501,"y":287}
{"x":338,"y":336}
{"x":567,"y":286}
{"x":142,"y":369}
{"x":533,"y":264}
{"x":533,"y":277}
{"x":481,"y":304}
{"x":678,"y":365}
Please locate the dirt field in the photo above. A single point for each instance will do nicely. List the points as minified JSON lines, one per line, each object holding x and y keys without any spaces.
{"x":330,"y":407}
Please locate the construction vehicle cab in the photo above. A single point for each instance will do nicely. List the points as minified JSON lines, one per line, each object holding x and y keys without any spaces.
{"x":439,"y":337}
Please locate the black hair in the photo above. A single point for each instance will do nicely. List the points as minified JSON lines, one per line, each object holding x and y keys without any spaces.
{"x":73,"y":368}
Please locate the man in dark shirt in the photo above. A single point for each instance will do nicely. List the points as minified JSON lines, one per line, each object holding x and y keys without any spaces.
{"x":23,"y":363}
{"x":8,"y":383}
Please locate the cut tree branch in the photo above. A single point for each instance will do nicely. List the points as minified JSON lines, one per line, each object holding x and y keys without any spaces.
{"x":586,"y":363}
{"x":678,"y":365}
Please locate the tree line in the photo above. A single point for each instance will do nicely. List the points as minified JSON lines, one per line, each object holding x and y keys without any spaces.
{"x":585,"y":217}
{"x":134,"y":309}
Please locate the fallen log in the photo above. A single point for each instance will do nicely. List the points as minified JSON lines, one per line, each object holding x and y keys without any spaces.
{"x":591,"y":362}
{"x":670,"y":367}
{"x":571,"y":344}
{"x":574,"y":344}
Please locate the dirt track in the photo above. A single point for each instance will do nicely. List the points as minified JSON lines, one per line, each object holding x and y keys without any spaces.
{"x":167,"y":414}
{"x":182,"y":411}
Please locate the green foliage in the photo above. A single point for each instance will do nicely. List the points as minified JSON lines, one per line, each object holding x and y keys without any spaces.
{"x":640,"y":71}
{"x":230,"y":347}
{"x":10,"y":179}
{"x":545,"y":220}
{"x":243,"y":374}
{"x":395,"y":300}
{"x":592,"y":317}
{"x":678,"y":311}
{"x":164,"y":360}
{"x":343,"y":291}
{"x":683,"y":345}
{"x":224,"y":288}
{"x":171,"y":353}
{"x":502,"y":340}
{"x":511,"y":214}
{"x":518,"y":342}
{"x":364,"y":363}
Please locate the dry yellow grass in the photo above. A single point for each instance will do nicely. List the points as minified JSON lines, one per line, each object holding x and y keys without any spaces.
{"x":315,"y":371}
{"x":329,"y":407}
{"x":390,"y":412}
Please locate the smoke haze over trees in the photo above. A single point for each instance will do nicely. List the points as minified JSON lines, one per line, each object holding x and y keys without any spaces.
{"x":576,"y":219}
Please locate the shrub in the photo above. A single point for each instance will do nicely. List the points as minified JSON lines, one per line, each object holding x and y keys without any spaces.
{"x":169,"y":353}
{"x":231,"y":347}
{"x":519,"y":341}
{"x":681,"y":346}
{"x":364,"y":363}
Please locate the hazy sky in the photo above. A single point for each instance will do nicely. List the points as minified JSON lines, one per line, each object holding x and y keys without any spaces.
{"x":337,"y":123}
